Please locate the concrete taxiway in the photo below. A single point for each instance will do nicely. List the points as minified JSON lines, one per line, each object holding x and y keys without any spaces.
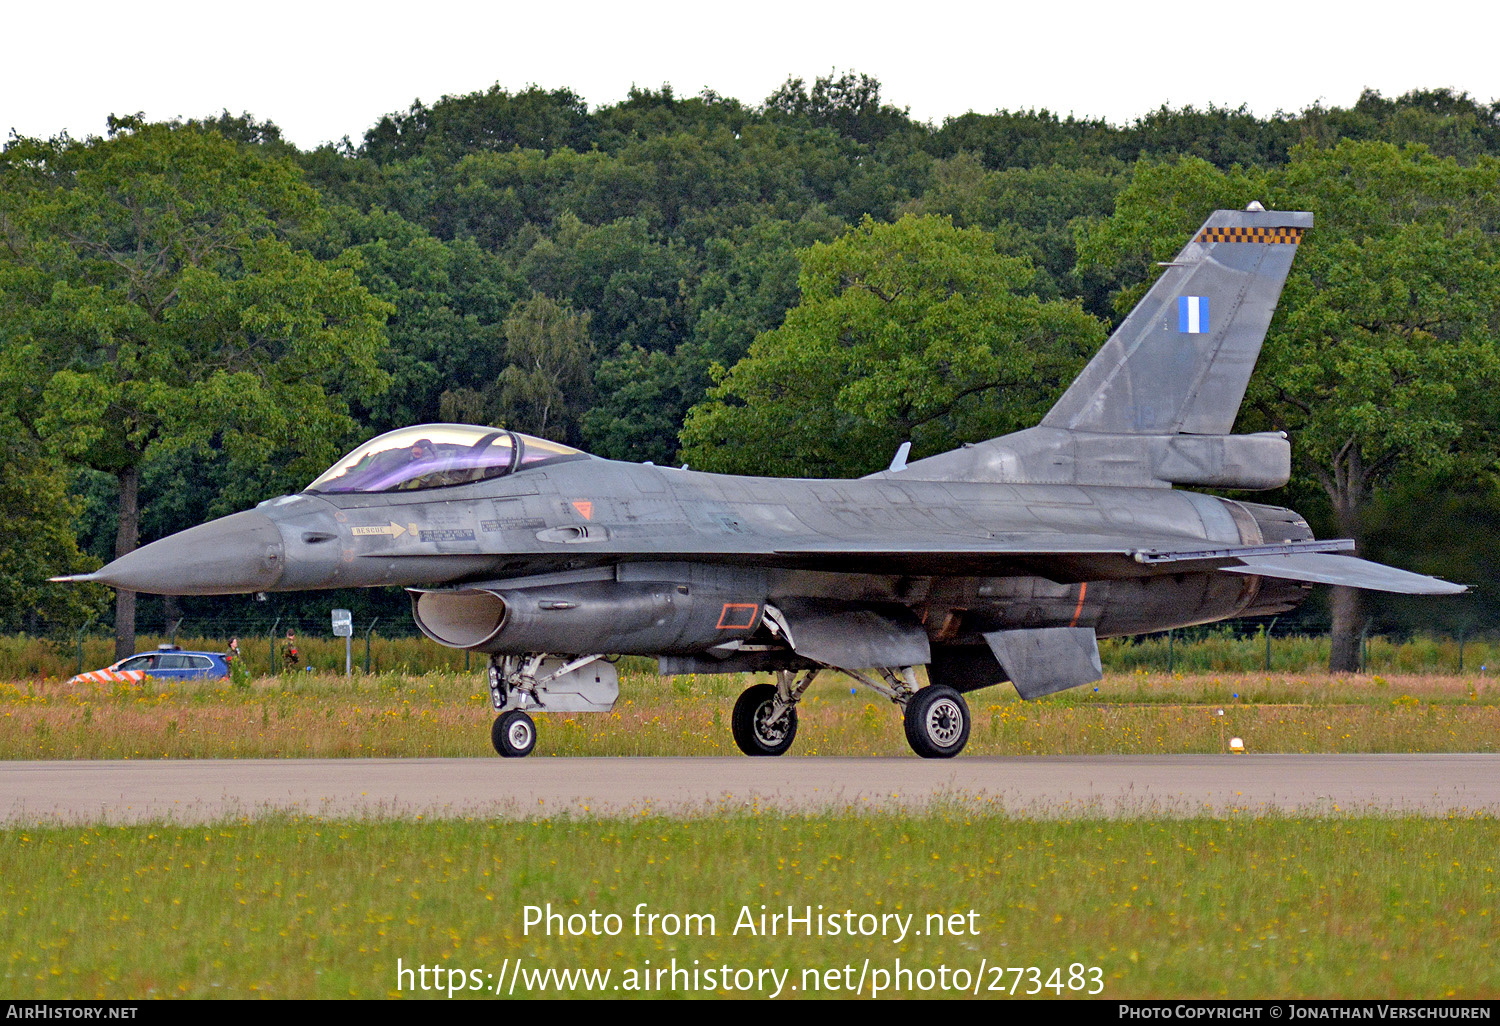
{"x":209,"y":789}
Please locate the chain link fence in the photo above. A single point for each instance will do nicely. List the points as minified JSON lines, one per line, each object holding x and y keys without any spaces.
{"x":394,"y":645}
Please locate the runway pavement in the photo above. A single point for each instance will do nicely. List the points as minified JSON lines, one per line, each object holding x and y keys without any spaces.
{"x":200,"y":790}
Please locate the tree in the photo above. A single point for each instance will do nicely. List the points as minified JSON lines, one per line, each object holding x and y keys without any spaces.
{"x":914,"y":330}
{"x":848,"y":103}
{"x":445,"y":332}
{"x":492,"y":120}
{"x":1382,"y":357}
{"x":550,"y":357}
{"x":40,"y":542}
{"x":154,"y":286}
{"x":1031,"y":210}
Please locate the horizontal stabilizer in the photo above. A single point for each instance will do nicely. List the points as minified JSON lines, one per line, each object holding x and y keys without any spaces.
{"x":1349,"y":571}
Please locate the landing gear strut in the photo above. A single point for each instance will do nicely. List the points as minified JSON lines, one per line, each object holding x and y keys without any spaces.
{"x":936,"y":717}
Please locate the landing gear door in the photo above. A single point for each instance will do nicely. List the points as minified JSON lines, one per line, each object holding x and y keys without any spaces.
{"x":591,"y":688}
{"x":853,"y":636}
{"x":1046,"y":660}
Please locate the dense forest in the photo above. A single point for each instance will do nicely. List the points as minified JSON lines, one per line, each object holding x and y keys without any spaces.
{"x":195,"y":316}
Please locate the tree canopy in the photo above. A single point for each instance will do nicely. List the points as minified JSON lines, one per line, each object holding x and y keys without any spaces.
{"x":154,"y":287}
{"x":913,"y":331}
{"x":204,"y":303}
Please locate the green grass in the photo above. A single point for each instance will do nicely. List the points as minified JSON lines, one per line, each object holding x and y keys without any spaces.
{"x":1241,"y":906}
{"x":1231,"y":907}
{"x":446,"y":714}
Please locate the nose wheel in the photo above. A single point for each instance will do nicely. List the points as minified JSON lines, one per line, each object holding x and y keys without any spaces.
{"x":937,"y":722}
{"x":514,"y":734}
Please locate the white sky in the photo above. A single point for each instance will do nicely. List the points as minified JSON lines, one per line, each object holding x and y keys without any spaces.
{"x":322,"y":70}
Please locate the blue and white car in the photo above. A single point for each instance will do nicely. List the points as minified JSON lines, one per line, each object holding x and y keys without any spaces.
{"x":168,"y":661}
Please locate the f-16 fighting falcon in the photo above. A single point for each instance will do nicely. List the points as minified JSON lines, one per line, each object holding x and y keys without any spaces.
{"x":1001,"y":561}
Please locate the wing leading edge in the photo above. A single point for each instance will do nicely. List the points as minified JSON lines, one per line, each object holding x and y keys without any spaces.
{"x":1328,"y":561}
{"x":1063,"y":558}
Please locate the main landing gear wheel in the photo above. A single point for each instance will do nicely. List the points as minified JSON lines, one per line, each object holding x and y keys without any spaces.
{"x":514,"y":734}
{"x":753,"y":726}
{"x":937,"y":722}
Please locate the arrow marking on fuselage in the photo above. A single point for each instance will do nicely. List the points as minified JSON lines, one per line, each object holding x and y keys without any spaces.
{"x":393,"y":529}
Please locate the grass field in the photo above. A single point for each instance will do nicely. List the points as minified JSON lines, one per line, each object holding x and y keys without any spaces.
{"x":1236,"y":907}
{"x":445,"y":714}
{"x":1239,"y":906}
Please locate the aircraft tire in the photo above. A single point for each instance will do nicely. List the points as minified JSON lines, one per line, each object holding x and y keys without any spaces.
{"x":750,"y":725}
{"x":514,"y":734}
{"x":937,"y":722}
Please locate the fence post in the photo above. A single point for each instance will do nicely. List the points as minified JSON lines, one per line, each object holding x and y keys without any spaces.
{"x":1170,"y":659}
{"x":273,"y":645}
{"x":81,"y":631}
{"x":1364,"y":637}
{"x":367,"y":644}
{"x":1269,"y":628}
{"x":1461,"y":649}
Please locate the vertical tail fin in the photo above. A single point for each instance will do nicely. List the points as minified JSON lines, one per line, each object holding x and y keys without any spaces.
{"x":1156,"y":404}
{"x":1182,"y":359}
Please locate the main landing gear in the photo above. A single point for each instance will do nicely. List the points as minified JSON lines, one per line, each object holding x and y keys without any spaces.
{"x":764,"y":721}
{"x":936,"y":718}
{"x":937,"y":722}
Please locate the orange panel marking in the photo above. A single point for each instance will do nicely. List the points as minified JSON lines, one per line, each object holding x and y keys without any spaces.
{"x":1083,"y":589}
{"x":738,"y":616}
{"x":585,"y":509}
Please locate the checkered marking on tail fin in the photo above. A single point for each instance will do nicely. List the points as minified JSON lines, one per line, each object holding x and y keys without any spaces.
{"x":1272,"y":236}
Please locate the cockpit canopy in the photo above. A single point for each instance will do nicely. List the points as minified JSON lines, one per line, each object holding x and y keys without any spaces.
{"x":436,"y":456}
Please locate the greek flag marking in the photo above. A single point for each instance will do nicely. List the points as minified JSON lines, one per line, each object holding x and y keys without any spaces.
{"x":1192,"y":314}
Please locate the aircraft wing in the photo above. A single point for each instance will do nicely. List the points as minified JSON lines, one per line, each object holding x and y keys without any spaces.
{"x":1074,"y":558}
{"x":1061,"y":557}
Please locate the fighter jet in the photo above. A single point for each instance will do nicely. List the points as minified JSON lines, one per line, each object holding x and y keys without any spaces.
{"x":1000,"y":561}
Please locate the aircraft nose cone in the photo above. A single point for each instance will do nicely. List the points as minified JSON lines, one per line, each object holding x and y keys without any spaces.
{"x":232,"y":555}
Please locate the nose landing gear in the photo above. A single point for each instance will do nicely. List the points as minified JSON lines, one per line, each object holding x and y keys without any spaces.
{"x":514,"y":734}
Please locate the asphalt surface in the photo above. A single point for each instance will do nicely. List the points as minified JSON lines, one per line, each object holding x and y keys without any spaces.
{"x":201,"y":790}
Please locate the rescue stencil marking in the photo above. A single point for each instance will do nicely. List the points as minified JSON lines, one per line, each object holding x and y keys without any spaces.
{"x":585,"y":509}
{"x":393,"y":529}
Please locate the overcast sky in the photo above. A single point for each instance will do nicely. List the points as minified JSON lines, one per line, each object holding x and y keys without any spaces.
{"x":324,"y":70}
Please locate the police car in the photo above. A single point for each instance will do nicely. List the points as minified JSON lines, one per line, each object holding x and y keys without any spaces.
{"x":167,"y":661}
